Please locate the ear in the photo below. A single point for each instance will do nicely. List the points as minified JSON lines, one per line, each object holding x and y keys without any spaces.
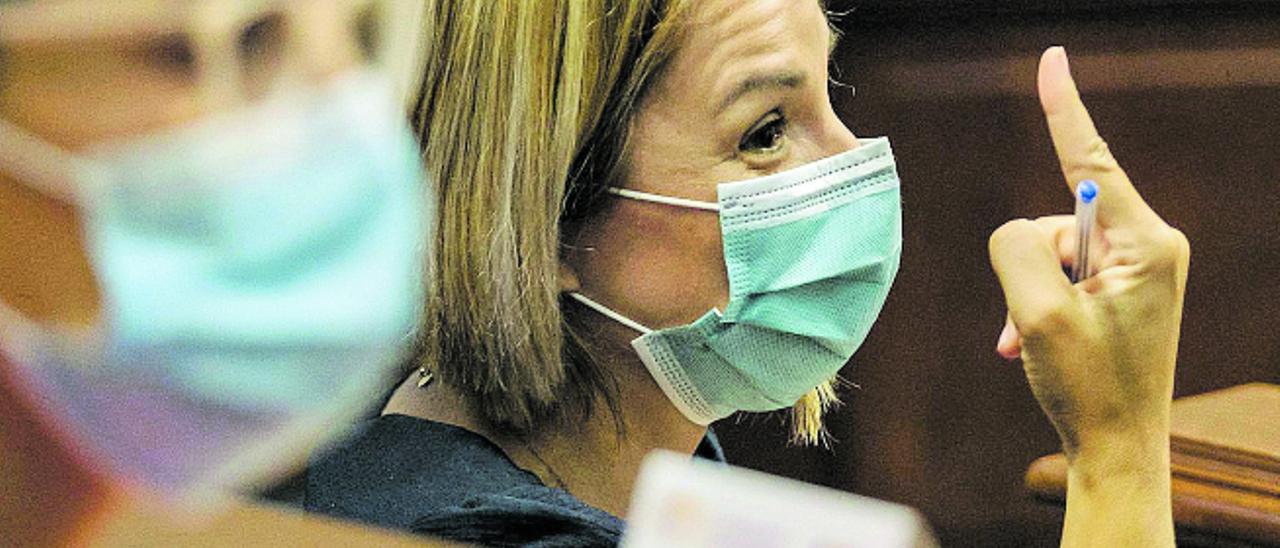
{"x":568,"y":278}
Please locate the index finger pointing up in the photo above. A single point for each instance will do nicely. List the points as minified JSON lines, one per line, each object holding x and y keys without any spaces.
{"x":1082,"y":153}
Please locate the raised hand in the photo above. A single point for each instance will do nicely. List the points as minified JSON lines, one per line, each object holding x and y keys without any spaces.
{"x":1099,"y":355}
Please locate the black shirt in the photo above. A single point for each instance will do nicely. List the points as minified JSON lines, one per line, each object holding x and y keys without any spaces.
{"x":432,"y":478}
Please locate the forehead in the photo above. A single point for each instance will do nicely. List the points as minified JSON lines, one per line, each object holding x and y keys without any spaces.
{"x":727,"y":38}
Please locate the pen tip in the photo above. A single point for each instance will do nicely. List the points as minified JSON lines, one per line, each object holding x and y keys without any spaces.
{"x":1088,"y":190}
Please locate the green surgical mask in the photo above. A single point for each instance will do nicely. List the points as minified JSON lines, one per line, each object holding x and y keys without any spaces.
{"x":810,"y":253}
{"x":260,"y":278}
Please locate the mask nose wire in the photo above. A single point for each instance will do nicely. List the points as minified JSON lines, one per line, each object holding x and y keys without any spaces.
{"x":609,"y":313}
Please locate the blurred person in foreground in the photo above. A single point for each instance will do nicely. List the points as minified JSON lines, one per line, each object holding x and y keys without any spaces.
{"x":211,"y":230}
{"x":650,"y":218}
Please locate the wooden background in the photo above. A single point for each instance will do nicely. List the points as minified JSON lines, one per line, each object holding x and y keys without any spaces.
{"x":1188,"y":96}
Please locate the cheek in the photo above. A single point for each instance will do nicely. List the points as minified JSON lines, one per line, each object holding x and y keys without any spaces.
{"x":56,"y":280}
{"x":111,"y":97}
{"x":659,"y":265}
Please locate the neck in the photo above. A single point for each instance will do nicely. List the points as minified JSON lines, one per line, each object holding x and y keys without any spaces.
{"x":599,"y":464}
{"x":592,"y":461}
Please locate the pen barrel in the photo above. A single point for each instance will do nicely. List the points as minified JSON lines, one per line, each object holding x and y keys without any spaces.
{"x":1086,"y":213}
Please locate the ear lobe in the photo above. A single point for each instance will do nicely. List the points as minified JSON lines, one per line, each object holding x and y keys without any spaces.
{"x":568,"y":279}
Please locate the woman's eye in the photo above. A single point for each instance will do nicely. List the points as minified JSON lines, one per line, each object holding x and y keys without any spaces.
{"x":173,"y":53}
{"x":368,"y":31}
{"x":767,"y":136}
{"x":261,"y":41}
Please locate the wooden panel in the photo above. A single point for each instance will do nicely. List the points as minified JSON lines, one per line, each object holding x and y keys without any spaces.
{"x":1240,"y":425}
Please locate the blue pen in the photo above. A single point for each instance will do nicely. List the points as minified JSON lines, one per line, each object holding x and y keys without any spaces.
{"x":1086,"y":214}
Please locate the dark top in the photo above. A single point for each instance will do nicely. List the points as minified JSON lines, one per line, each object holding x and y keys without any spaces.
{"x":432,"y":478}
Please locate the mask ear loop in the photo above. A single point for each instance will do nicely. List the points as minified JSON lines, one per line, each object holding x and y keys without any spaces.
{"x":665,"y":200}
{"x":643,"y":197}
{"x":604,"y":310}
{"x":40,"y":165}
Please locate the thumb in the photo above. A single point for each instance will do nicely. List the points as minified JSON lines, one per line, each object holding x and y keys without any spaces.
{"x":1030,"y":272}
{"x":1009,"y":345}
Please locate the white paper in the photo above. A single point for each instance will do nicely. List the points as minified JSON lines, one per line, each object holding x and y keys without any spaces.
{"x":684,"y":502}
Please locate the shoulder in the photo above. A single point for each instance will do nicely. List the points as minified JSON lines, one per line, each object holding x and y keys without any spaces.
{"x":409,"y":473}
{"x":524,"y":516}
{"x":395,"y":468}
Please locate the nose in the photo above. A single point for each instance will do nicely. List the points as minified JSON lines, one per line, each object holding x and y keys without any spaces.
{"x":837,"y":137}
{"x":324,"y":40}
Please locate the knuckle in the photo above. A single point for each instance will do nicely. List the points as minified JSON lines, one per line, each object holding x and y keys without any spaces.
{"x":1095,"y":158}
{"x":1048,"y":223}
{"x":1051,"y":320}
{"x":1009,"y":232}
{"x":1171,"y":248}
{"x":1099,"y":151}
{"x":1183,"y":244}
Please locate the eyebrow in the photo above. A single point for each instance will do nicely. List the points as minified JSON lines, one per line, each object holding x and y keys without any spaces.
{"x":758,"y":82}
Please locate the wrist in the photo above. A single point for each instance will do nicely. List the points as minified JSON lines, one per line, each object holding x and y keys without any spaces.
{"x":1119,"y":492}
{"x":1129,"y":458}
{"x":1110,"y":433}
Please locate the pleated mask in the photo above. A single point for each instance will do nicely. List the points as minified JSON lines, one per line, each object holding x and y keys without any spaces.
{"x":810,"y":253}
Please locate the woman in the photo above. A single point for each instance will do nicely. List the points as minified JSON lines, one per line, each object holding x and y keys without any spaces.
{"x":163,"y":169}
{"x":650,"y":217}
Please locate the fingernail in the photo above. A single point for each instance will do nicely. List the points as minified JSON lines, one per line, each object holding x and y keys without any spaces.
{"x":1006,"y":336}
{"x":1008,"y":346}
{"x":1060,"y":54}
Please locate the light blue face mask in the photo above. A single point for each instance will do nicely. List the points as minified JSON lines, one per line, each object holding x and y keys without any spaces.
{"x":810,"y":253}
{"x":260,"y":274}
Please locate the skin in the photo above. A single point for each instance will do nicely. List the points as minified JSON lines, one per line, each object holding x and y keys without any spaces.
{"x":1099,"y":355}
{"x":75,"y":94}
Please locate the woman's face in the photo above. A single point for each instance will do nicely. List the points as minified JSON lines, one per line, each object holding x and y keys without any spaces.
{"x":77,"y":92}
{"x":746,"y":95}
